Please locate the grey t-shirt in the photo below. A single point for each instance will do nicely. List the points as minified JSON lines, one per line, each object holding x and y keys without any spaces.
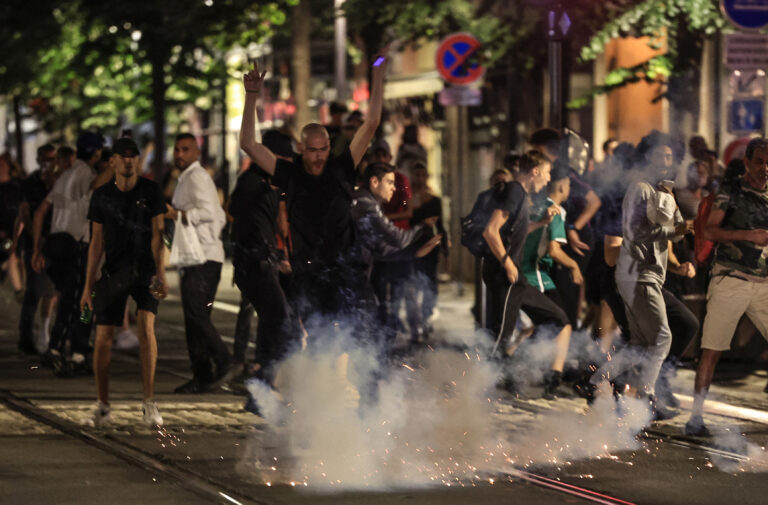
{"x":649,"y":218}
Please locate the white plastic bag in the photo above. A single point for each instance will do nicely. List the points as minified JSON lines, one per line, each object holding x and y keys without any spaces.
{"x":186,"y":249}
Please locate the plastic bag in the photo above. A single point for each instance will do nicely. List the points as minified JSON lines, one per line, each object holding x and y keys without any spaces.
{"x":186,"y":249}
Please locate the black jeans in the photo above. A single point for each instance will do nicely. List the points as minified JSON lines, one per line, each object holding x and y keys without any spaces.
{"x":505,"y":302}
{"x":278,"y":329}
{"x":32,"y":293}
{"x":198,"y":291}
{"x":68,"y":275}
{"x":242,"y":329}
{"x":393,"y":284}
{"x":426,"y":283}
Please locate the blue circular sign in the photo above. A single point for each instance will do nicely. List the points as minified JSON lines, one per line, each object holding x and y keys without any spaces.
{"x":747,"y":14}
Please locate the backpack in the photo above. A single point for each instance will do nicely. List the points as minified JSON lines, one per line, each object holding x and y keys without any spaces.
{"x":703,"y":249}
{"x":473,"y":224}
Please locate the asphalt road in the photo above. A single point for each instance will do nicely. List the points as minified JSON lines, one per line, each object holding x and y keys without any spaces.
{"x":211,"y":451}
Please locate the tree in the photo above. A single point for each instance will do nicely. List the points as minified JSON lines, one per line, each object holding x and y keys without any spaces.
{"x":27,"y":27}
{"x":181,"y":43}
{"x":678,"y":26}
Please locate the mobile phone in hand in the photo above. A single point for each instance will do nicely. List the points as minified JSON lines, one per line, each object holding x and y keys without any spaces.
{"x":378,"y":61}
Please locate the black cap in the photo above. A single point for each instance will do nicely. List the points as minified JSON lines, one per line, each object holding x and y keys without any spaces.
{"x":88,"y":143}
{"x":126,"y":148}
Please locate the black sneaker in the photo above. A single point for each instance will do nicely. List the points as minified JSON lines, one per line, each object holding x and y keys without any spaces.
{"x":62,"y":367}
{"x":659,"y":412}
{"x":191,"y":387}
{"x":47,"y":358}
{"x":27,"y":348}
{"x":82,"y":368}
{"x":252,"y":407}
{"x":695,"y":427}
{"x":223,"y":376}
{"x":551,"y":383}
{"x":508,"y":385}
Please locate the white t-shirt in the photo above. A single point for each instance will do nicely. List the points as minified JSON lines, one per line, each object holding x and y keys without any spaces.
{"x":70,"y":197}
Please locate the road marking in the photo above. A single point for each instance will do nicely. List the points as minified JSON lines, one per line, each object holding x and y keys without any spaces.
{"x":726,"y":410}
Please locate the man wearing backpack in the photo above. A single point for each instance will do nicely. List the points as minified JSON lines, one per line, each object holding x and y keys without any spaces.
{"x":505,"y":233}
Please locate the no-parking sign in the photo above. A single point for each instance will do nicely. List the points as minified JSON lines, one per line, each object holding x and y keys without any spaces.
{"x":456,"y":59}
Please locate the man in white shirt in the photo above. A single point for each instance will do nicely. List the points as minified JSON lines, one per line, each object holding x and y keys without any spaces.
{"x":65,"y":253}
{"x":198,"y":202}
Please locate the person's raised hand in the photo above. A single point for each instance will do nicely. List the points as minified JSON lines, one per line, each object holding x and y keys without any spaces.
{"x":253,"y":81}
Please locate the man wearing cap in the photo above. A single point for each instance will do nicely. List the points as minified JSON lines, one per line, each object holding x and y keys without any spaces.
{"x":65,"y":252}
{"x":127,"y":224}
{"x":197,"y":200}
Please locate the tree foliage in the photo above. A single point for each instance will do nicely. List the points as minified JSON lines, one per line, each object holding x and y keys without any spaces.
{"x":82,"y":64}
{"x":678,"y":27}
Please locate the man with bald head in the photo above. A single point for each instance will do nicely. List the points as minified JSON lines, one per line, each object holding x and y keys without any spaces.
{"x":318,"y":189}
{"x":196,"y":199}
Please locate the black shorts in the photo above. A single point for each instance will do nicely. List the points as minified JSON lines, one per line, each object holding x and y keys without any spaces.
{"x":112,"y":292}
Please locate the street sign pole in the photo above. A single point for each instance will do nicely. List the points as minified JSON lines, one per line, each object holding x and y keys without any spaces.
{"x":558,"y":24}
{"x":555,"y":69}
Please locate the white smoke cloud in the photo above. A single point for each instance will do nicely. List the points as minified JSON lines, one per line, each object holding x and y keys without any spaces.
{"x":437,"y":419}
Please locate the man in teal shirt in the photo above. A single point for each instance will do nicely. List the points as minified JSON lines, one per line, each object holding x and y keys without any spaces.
{"x":546,"y":234}
{"x":543,"y":247}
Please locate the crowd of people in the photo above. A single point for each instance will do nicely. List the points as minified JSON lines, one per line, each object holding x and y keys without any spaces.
{"x":611,"y":235}
{"x":324,"y":227}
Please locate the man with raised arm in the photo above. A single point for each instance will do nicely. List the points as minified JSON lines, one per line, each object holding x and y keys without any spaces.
{"x":127,"y":224}
{"x":318,"y":190}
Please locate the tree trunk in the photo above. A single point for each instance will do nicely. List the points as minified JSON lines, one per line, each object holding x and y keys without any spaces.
{"x":301,"y":64}
{"x":157,"y":60}
{"x":19,"y":131}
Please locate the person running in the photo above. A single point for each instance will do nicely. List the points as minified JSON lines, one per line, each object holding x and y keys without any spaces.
{"x":508,"y":289}
{"x":738,"y":222}
{"x":543,"y":247}
{"x":650,"y":219}
{"x":127,"y":225}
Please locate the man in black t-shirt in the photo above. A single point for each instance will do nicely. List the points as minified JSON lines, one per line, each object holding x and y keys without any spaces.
{"x":254,"y":206}
{"x":508,"y":290}
{"x":318,"y":190}
{"x":127,"y":224}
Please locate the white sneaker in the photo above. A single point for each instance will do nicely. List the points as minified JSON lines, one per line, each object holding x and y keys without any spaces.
{"x":152,"y":416}
{"x":100,"y":417}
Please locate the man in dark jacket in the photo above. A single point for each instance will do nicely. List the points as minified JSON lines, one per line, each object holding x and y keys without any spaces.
{"x":376,"y":237}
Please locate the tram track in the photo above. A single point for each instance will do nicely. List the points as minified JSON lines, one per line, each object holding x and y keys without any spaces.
{"x":193,"y":482}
